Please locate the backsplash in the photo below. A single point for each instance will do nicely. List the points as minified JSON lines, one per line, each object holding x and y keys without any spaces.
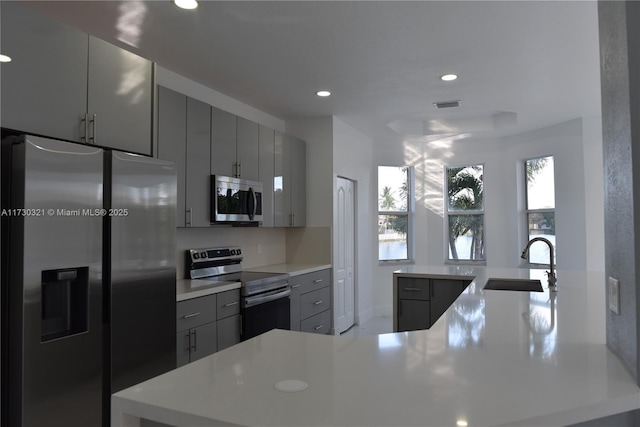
{"x":260,"y":246}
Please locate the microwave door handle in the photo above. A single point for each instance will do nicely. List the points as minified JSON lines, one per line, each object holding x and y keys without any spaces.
{"x":252,"y":204}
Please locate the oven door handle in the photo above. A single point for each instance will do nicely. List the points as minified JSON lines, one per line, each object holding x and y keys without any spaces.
{"x":267,"y":297}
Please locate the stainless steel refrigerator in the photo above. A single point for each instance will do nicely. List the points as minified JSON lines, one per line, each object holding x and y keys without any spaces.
{"x":88,"y":278}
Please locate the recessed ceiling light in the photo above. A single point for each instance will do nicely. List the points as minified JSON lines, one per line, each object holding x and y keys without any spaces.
{"x":323,"y":93}
{"x":186,"y":4}
{"x":448,"y":77}
{"x":5,"y":58}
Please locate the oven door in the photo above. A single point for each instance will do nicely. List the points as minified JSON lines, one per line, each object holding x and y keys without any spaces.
{"x":264,"y":312}
{"x":235,"y":200}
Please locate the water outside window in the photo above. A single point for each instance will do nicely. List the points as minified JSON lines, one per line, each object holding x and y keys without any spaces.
{"x":393,"y":213}
{"x":540,"y":206}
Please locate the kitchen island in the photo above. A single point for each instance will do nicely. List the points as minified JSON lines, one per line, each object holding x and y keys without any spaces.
{"x":493,"y":358}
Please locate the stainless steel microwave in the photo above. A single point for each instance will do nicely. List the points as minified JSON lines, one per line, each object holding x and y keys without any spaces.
{"x":235,"y":200}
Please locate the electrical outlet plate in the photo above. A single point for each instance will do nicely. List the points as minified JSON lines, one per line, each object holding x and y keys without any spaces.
{"x":614,"y":295}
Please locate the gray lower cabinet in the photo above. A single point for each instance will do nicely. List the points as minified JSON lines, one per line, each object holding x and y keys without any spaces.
{"x":66,"y":84}
{"x":421,"y":301}
{"x":311,"y":302}
{"x":206,"y":325}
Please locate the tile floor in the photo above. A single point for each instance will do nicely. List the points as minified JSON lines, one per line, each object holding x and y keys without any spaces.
{"x":373,"y":326}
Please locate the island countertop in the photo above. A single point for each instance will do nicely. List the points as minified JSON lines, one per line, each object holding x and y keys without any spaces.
{"x":493,"y":358}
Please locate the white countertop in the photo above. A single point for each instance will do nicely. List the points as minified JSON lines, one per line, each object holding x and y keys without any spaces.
{"x":494,"y":358}
{"x":290,"y":268}
{"x":187,"y":288}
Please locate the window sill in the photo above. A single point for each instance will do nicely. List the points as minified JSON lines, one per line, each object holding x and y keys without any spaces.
{"x":395,"y":262}
{"x":464,"y":262}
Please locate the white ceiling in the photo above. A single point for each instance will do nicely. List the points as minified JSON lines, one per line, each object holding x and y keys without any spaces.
{"x":522,"y":65}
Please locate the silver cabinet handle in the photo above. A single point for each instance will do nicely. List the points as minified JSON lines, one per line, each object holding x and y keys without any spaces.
{"x":318,"y":302}
{"x":93,"y":138}
{"x":232,"y":304}
{"x":295,"y":286}
{"x":85,"y":120}
{"x":189,"y":342}
{"x":188,"y":218}
{"x":188,"y":316}
{"x":293,"y":219}
{"x":317,"y":281}
{"x":239,"y":170}
{"x":195,"y":346}
{"x":412,"y":289}
{"x":319,"y":327}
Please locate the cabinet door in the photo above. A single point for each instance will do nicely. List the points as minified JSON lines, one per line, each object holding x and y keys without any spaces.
{"x":120,"y":87}
{"x":295,"y":298}
{"x":183,"y":348}
{"x":44,"y":87}
{"x":228,"y":331}
{"x":198,"y":182}
{"x":172,"y":139}
{"x":204,"y":341}
{"x":247,"y":150}
{"x":298,"y":181}
{"x":413,"y":315}
{"x":443,"y":294}
{"x":281,"y":181}
{"x":266,"y":158}
{"x":223,"y":142}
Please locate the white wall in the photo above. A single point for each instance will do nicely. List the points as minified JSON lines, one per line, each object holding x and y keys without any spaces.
{"x":353,"y":159}
{"x":577,"y":148}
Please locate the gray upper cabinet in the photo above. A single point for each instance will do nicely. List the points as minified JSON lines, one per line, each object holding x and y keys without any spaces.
{"x":223,"y":142}
{"x":289,"y":181}
{"x":66,"y":84}
{"x":247,"y":149}
{"x":266,"y":142}
{"x":119,"y":100}
{"x":198,"y":177}
{"x":234,"y":143}
{"x":44,"y":87}
{"x":172,"y":140}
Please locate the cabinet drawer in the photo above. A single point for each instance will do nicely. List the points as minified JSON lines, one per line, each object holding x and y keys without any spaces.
{"x":228,"y":303}
{"x":194,"y":312}
{"x":319,"y":324}
{"x":414,"y":289}
{"x":311,"y":281}
{"x":315,"y":302}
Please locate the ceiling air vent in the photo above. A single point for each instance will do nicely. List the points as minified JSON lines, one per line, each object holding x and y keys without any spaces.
{"x":446,"y":104}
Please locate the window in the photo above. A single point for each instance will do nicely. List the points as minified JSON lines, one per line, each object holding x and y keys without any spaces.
{"x":540,"y":206}
{"x":465,"y":213}
{"x":394,"y":196}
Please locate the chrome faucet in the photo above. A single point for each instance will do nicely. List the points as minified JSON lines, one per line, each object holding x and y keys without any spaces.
{"x":551,"y":275}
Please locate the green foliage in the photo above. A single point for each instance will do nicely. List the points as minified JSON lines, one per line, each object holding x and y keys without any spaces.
{"x":466,"y":193}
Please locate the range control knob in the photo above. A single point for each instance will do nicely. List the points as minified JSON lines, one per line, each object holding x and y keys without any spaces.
{"x":238,"y":252}
{"x":196,"y":255}
{"x":233,"y":252}
{"x":203,"y":255}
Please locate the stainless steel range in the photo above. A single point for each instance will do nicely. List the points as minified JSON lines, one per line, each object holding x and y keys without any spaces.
{"x":265,"y":301}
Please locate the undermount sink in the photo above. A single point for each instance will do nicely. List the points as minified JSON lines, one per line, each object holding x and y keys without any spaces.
{"x":526,"y":285}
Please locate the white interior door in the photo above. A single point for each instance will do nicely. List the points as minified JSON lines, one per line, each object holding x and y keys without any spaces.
{"x":344,"y":281}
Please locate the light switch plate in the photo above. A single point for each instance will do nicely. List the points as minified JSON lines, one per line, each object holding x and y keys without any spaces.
{"x":614,"y":295}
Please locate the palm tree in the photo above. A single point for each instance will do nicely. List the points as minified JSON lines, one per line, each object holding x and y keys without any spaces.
{"x":465,"y":193}
{"x":387,"y":202}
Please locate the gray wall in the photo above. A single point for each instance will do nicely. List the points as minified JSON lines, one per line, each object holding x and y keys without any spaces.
{"x":620,"y":80}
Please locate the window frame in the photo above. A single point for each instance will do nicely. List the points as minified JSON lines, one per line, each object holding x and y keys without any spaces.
{"x":527,"y":262}
{"x":408,"y":213}
{"x":448,"y":213}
